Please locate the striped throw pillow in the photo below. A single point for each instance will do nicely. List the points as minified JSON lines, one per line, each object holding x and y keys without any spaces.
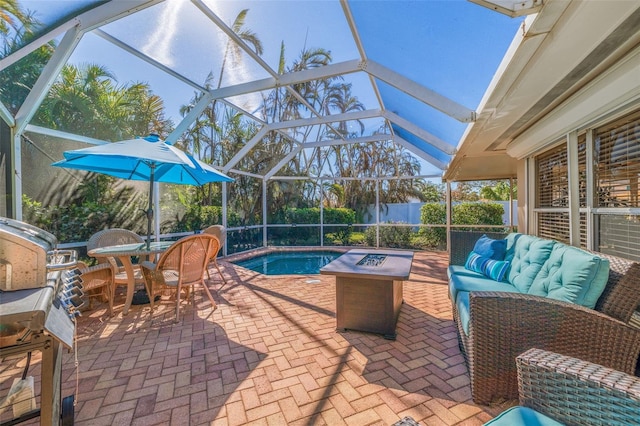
{"x":494,"y":269}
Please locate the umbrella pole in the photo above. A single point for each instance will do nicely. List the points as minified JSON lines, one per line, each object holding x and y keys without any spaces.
{"x":150,"y":209}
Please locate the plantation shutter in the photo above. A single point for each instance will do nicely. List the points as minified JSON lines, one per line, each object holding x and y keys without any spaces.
{"x":553,"y":193}
{"x":617,"y":152}
{"x":618,"y":162}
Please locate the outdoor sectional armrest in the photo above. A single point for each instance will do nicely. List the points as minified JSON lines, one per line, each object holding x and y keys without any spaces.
{"x":503,"y":325}
{"x":574,"y":391}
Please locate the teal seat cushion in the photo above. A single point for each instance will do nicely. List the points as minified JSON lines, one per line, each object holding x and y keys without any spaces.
{"x":472,"y":281}
{"x":527,"y":255}
{"x":571,"y":275}
{"x":461,"y":270}
{"x":462,"y":305}
{"x":521,"y":416}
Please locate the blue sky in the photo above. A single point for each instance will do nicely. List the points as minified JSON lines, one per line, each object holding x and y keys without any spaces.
{"x":450,"y":46}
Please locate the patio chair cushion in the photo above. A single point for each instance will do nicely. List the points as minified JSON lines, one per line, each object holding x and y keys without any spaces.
{"x":519,"y":415}
{"x":488,"y":247}
{"x":571,"y":275}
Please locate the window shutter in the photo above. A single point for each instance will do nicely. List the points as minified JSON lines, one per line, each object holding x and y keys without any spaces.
{"x":553,"y":183}
{"x":617,"y":148}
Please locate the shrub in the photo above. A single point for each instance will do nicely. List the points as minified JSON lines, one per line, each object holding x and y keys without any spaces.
{"x":196,"y":217}
{"x":433,"y":214}
{"x":390,"y":236}
{"x":478,"y":214}
{"x":462,"y":214}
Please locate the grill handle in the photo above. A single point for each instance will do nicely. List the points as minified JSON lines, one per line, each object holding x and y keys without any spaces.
{"x":59,"y":260}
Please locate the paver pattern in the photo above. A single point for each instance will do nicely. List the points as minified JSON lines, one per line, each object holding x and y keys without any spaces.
{"x":270,"y":355}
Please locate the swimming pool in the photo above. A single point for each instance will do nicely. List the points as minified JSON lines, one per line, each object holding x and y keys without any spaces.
{"x":289,"y":262}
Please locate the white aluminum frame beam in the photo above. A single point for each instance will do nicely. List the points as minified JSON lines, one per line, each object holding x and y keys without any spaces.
{"x":333,"y":118}
{"x":135,"y":52}
{"x":37,"y":43}
{"x":428,"y":96}
{"x":429,"y":138}
{"x":246,"y":148}
{"x":63,"y":135}
{"x":47,"y":78}
{"x":420,"y":153}
{"x":6,"y":115}
{"x":354,"y":178}
{"x":236,"y":39}
{"x":356,"y":38}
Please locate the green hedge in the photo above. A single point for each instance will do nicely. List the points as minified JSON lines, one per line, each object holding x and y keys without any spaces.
{"x":462,"y":214}
{"x":311,"y":216}
{"x":390,"y":236}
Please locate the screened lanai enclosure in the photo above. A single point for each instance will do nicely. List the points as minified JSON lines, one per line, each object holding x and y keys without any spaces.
{"x":385,"y":123}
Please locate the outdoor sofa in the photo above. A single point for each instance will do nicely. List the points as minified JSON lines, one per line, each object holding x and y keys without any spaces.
{"x":556,"y":389}
{"x":552,"y":296}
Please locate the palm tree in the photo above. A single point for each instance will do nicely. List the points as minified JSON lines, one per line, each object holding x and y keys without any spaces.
{"x":16,"y":28}
{"x":13,"y":18}
{"x":87,"y":100}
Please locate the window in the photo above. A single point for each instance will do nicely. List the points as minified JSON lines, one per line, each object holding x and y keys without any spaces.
{"x":617,"y":151}
{"x":617,"y":172}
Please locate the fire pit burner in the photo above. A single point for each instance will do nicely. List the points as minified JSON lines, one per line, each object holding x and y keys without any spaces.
{"x":372,"y":260}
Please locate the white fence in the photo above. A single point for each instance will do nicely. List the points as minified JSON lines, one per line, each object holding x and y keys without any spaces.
{"x":410,"y":212}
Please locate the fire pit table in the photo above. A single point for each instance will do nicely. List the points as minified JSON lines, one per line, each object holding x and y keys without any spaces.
{"x":369,"y":289}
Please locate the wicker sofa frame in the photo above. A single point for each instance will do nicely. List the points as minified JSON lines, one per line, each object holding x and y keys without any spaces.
{"x":504,"y":325}
{"x":576,"y":392}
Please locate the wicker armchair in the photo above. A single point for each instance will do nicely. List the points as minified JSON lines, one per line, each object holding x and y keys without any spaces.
{"x":97,"y":281}
{"x":113,"y":237}
{"x":504,"y":325}
{"x":572,"y":392}
{"x":220,"y":233}
{"x":181,"y":267}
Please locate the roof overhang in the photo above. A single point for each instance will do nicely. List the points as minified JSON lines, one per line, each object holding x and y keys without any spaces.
{"x":512,"y":8}
{"x":559,"y":51}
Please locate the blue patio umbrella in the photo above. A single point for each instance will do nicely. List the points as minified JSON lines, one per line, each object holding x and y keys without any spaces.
{"x":149,"y":159}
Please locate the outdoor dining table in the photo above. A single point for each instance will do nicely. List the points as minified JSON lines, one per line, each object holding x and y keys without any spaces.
{"x":124,"y":253}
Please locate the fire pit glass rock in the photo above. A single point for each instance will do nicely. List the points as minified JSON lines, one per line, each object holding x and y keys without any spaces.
{"x":372,"y":260}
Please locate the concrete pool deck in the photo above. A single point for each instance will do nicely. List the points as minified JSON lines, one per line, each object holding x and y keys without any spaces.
{"x":270,"y":355}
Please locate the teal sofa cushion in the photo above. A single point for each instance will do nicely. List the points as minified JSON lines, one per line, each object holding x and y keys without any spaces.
{"x":473,"y":281}
{"x":462,"y":305}
{"x":521,"y":416}
{"x":571,"y":275}
{"x":527,"y":255}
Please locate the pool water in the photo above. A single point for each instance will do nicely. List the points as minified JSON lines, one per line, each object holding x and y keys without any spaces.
{"x":290,"y":262}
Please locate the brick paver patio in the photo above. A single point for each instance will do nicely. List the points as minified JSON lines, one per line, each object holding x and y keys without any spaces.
{"x":270,"y":355}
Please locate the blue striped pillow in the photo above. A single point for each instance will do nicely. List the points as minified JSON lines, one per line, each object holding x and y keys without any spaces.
{"x":494,"y":269}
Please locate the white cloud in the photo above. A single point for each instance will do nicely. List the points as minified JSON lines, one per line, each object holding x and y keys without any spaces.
{"x":159,"y":45}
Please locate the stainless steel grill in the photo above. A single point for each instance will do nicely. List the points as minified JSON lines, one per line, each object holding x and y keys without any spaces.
{"x":40,"y":290}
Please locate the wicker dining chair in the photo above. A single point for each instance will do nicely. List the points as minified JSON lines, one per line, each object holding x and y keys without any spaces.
{"x":220,"y":233}
{"x":113,"y":237}
{"x":182,"y":266}
{"x":100,"y":278}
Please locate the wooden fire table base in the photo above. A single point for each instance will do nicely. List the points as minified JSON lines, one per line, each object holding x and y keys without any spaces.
{"x":369,"y":293}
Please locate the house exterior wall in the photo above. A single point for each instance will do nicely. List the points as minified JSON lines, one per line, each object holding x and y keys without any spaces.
{"x":610,"y":97}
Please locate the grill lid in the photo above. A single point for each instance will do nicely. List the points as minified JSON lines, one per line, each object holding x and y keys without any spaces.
{"x":32,"y":233}
{"x":27,"y":253}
